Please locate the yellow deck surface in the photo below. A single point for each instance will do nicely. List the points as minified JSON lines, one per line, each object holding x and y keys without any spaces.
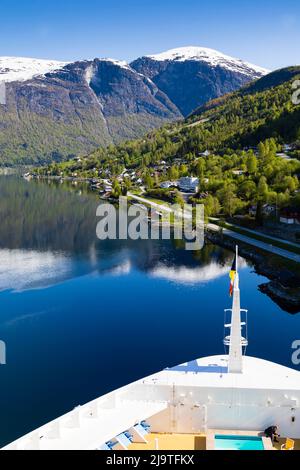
{"x":282,"y":441}
{"x":172,"y":442}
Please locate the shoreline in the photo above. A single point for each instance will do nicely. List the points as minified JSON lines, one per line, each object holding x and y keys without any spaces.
{"x":284,"y":281}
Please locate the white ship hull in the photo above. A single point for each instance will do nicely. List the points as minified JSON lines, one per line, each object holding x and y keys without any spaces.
{"x":189,"y":399}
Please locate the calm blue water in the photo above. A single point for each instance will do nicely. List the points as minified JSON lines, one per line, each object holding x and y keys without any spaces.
{"x":238,"y":443}
{"x":81,"y":317}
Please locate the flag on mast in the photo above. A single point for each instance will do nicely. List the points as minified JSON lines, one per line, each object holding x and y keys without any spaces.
{"x":232,"y":275}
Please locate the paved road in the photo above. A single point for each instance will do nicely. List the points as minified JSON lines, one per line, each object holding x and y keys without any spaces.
{"x":150,"y":203}
{"x":197,"y":123}
{"x":237,"y":236}
{"x":159,"y":207}
{"x":259,"y":244}
{"x":262,"y":234}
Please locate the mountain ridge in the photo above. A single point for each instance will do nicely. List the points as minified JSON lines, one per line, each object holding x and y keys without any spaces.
{"x":26,"y":68}
{"x":244,"y":149}
{"x":192,"y":75}
{"x":224,"y":126}
{"x":211,"y":56}
{"x":69,"y":109}
{"x":30,"y":66}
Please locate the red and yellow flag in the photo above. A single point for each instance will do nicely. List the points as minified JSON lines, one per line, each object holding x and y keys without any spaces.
{"x":232,"y":275}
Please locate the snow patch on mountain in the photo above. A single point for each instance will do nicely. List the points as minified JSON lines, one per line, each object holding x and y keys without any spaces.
{"x":89,"y":74}
{"x":20,"y":68}
{"x":119,"y":63}
{"x":211,"y":57}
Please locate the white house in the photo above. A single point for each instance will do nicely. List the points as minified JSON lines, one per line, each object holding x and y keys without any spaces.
{"x":167,"y":184}
{"x":290,"y":217}
{"x":189,"y":184}
{"x":286,"y":219}
{"x":267,"y":209}
{"x":284,"y":156}
{"x":238,"y":172}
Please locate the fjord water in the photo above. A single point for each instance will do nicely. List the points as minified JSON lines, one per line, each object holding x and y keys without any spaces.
{"x":81,"y":317}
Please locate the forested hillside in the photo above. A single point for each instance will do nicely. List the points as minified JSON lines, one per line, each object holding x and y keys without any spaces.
{"x":231,"y":145}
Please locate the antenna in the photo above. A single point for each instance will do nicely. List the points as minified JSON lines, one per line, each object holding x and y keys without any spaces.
{"x":236,"y":341}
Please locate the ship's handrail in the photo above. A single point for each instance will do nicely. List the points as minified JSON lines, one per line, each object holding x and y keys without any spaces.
{"x":101,"y":414}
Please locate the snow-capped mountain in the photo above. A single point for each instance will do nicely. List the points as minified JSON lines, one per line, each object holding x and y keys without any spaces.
{"x":77,"y":107}
{"x":55,"y":110}
{"x":191,"y":76}
{"x":211,"y":57}
{"x":14,"y":69}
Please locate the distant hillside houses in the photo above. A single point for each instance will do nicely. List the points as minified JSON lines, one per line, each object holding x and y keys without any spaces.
{"x":288,"y":216}
{"x":286,"y":148}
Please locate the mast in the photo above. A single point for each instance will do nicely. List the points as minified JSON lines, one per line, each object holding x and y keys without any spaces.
{"x":235,"y":362}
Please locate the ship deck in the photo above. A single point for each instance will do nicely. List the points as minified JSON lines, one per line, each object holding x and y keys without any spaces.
{"x":187,"y":442}
{"x":265,"y":392}
{"x":213,"y":372}
{"x":172,"y":442}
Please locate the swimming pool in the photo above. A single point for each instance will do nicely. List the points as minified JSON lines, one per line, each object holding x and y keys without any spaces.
{"x":223,"y":442}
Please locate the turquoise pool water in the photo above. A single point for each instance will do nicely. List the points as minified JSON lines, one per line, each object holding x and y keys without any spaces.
{"x":238,"y":443}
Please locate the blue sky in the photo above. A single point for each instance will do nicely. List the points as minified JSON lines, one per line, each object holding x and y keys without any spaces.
{"x":264,"y":32}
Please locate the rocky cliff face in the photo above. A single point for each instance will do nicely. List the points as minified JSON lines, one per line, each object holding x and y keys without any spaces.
{"x":77,"y":108}
{"x":192,"y":76}
{"x":55,"y":110}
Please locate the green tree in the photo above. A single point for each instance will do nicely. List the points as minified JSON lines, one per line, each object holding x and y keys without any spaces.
{"x":261,"y":150}
{"x":251,"y":164}
{"x":229,"y":200}
{"x":247,"y":190}
{"x":200,"y":169}
{"x":262,"y":189}
{"x":116,"y":189}
{"x":173,"y":173}
{"x":149,"y":181}
{"x":212,"y":206}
